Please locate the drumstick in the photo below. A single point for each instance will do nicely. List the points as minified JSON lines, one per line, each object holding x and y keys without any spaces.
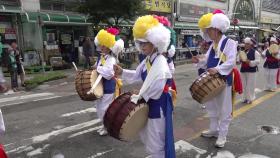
{"x":75,"y":66}
{"x":95,"y":84}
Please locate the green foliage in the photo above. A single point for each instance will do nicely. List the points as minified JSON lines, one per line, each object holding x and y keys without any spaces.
{"x":35,"y":69}
{"x":41,"y":78}
{"x":112,"y":12}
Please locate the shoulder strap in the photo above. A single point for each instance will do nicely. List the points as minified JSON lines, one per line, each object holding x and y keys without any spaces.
{"x":223,"y":44}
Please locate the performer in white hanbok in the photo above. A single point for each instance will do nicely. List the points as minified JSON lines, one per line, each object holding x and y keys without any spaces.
{"x":249,"y":69}
{"x":271,"y":66}
{"x":152,"y":38}
{"x":220,"y":58}
{"x":110,"y":45}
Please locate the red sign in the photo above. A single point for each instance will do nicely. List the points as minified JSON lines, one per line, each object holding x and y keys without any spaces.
{"x":235,"y":21}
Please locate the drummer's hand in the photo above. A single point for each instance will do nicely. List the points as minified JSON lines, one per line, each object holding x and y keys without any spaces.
{"x":212,"y":71}
{"x":247,"y":61}
{"x":94,"y":67}
{"x":118,"y":70}
{"x":195,"y":59}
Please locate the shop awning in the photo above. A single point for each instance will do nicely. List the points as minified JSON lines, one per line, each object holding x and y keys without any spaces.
{"x":186,"y":25}
{"x":55,"y":18}
{"x":10,"y":9}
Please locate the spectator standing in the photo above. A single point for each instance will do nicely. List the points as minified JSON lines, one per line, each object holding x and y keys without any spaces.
{"x":19,"y":60}
{"x":12,"y":67}
{"x":87,"y":52}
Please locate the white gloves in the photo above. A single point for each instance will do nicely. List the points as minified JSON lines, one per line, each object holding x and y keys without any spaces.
{"x":134,"y":98}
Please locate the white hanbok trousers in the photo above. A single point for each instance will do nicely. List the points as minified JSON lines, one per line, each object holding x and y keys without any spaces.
{"x":249,"y":84}
{"x":153,"y":137}
{"x":270,"y":75}
{"x":219,"y":110}
{"x":103,"y":104}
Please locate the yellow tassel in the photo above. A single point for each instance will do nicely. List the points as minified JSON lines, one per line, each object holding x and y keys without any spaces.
{"x":119,"y":85}
{"x":174,"y":97}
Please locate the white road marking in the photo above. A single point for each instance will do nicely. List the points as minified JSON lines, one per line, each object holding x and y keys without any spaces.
{"x":17,"y":149}
{"x":85,"y":131}
{"x":47,"y":98}
{"x":47,"y":136}
{"x":89,"y":110}
{"x":37,"y":151}
{"x":44,"y":137}
{"x":100,"y":154}
{"x":3,"y":100}
{"x":183,"y":146}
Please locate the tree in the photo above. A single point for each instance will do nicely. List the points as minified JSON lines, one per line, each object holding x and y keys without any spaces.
{"x":112,"y":12}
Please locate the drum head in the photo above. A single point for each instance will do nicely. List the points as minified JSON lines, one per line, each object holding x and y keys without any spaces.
{"x":98,"y":91}
{"x":274,"y":49}
{"x":134,"y":122}
{"x":243,"y":56}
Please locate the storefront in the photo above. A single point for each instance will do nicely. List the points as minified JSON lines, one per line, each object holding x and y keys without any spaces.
{"x":58,"y":35}
{"x":8,"y":26}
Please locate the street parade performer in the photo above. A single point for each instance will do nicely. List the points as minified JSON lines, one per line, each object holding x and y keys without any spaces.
{"x":220,"y":58}
{"x":110,"y":45}
{"x":271,"y":64}
{"x":152,"y":38}
{"x":249,"y":68}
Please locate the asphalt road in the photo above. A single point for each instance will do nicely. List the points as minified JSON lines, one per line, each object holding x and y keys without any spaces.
{"x":66,"y":126}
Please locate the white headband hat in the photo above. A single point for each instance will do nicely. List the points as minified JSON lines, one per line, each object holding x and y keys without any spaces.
{"x":217,"y":20}
{"x":149,"y":29}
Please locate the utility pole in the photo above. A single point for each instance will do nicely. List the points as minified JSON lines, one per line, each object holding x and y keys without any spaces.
{"x":173,"y":13}
{"x":40,"y":24}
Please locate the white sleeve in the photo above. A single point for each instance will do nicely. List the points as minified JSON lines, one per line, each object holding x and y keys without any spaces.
{"x":107,"y":71}
{"x":202,"y":63}
{"x":230,"y":52}
{"x":131,"y":76}
{"x":155,"y":90}
{"x":257,"y":60}
{"x":171,"y":67}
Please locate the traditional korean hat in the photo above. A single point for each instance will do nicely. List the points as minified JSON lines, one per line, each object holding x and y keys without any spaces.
{"x":217,"y":20}
{"x":148,"y":29}
{"x":110,"y":39}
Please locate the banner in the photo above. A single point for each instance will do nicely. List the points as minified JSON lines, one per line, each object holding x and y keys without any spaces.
{"x":159,"y":5}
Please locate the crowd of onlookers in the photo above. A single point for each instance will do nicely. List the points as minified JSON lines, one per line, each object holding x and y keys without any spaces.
{"x":12,"y":59}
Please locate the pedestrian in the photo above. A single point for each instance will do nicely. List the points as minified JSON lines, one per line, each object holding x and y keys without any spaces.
{"x":220,"y":58}
{"x":87,"y":52}
{"x":249,"y":70}
{"x":12,"y":67}
{"x":271,"y":66}
{"x":152,"y":38}
{"x":19,"y":59}
{"x":110,"y":45}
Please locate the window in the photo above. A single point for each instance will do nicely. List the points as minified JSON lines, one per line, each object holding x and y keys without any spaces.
{"x":271,"y":6}
{"x":245,"y":10}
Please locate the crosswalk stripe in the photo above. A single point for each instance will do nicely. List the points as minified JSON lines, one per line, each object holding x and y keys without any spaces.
{"x":89,"y":110}
{"x":3,"y":100}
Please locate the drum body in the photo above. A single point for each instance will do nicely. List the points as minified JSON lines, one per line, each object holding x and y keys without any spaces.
{"x":83,"y":82}
{"x":243,"y":56}
{"x":124,"y":119}
{"x":207,"y":87}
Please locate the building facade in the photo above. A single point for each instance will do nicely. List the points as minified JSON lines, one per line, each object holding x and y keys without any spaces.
{"x":254,"y":18}
{"x":43,"y":28}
